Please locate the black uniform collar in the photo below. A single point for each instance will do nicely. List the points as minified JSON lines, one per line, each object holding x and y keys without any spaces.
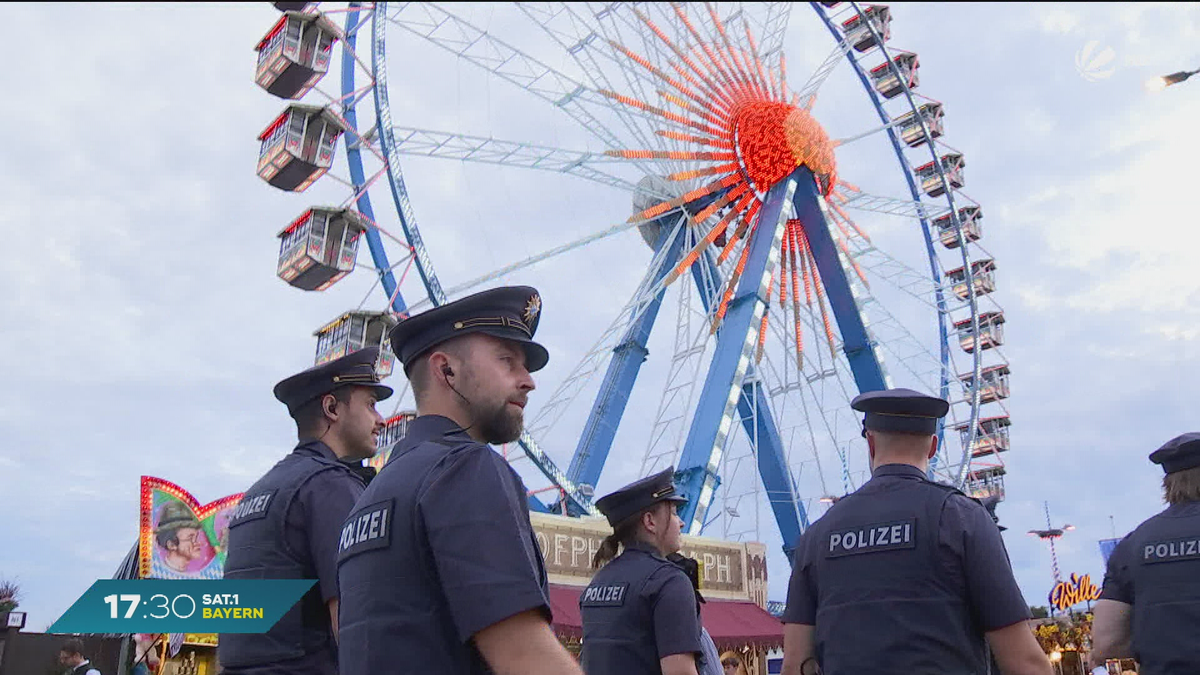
{"x":648,"y":549}
{"x":311,"y":446}
{"x":425,"y":427}
{"x":902,"y":470}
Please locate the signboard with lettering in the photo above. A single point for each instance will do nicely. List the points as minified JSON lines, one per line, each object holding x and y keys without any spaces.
{"x":1078,"y":589}
{"x":729,"y":570}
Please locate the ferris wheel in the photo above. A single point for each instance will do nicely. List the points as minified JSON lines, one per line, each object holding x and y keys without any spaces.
{"x":772,"y":287}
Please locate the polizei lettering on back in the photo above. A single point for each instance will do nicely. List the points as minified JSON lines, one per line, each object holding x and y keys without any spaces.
{"x":251,"y":507}
{"x":608,"y":595}
{"x":1171,"y":551}
{"x":368,"y":528}
{"x":896,"y":535}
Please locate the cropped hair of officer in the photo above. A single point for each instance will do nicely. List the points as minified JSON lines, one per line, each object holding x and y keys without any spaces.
{"x":1149,"y":608}
{"x":905,"y":575}
{"x":286,"y":526}
{"x":438,"y":558}
{"x":640,"y":612}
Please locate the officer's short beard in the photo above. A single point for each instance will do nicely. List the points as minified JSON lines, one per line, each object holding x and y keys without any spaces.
{"x":497,"y":424}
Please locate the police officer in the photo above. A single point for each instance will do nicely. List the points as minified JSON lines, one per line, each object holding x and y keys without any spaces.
{"x":640,"y":613}
{"x":905,"y":575}
{"x":438,"y":566}
{"x":1149,"y":608}
{"x":287,"y":524}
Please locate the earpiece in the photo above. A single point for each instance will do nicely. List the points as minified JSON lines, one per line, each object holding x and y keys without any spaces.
{"x":446,"y":370}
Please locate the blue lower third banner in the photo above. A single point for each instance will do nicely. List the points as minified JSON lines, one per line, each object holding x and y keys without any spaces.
{"x":182,"y":606}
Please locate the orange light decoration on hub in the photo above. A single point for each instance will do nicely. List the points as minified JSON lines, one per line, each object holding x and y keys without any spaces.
{"x":748,"y":133}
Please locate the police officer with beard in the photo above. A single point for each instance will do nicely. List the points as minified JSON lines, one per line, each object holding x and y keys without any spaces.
{"x":1149,"y":608}
{"x":438,"y":566}
{"x":287,"y":524}
{"x":905,"y":575}
{"x":640,"y":612}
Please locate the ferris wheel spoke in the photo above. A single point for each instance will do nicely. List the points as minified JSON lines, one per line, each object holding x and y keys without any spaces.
{"x":820,"y":75}
{"x":461,"y":147}
{"x":594,"y":359}
{"x":773,"y":28}
{"x":535,"y":259}
{"x":456,"y":35}
{"x":580,"y":39}
{"x":861,"y":201}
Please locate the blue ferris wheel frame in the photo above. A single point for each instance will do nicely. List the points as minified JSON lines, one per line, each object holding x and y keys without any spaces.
{"x":695,"y":474}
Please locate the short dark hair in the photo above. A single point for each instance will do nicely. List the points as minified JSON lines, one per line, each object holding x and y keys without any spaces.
{"x":72,"y":646}
{"x":310,"y":415}
{"x":417,"y":370}
{"x":165,"y":537}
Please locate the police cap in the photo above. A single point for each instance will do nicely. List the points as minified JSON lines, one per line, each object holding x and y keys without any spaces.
{"x":639,"y":496}
{"x":508,"y":312}
{"x":900,"y":410}
{"x":355,"y":368}
{"x":1181,"y":452}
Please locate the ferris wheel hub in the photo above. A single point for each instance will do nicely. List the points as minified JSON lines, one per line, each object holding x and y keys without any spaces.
{"x":772,"y":139}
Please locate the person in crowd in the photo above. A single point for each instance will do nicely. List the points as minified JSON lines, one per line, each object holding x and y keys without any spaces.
{"x":70,"y":655}
{"x":640,"y":612}
{"x":905,"y":575}
{"x":1149,"y":607}
{"x":438,"y":557}
{"x":287,"y":524}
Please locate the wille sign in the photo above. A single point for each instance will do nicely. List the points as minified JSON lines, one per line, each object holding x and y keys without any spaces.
{"x":729,"y":570}
{"x":1079,"y":589}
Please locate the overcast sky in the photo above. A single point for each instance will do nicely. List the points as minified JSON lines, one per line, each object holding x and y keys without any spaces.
{"x":142,"y":325}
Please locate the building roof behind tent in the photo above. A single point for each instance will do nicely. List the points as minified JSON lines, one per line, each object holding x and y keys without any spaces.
{"x":128,"y":569}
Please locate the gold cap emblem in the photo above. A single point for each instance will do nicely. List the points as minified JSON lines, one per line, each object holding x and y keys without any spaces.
{"x":533,"y":308}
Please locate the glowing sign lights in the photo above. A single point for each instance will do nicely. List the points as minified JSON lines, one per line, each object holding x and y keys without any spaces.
{"x":1070,"y":593}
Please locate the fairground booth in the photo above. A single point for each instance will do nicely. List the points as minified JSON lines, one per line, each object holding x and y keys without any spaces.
{"x":733,"y":583}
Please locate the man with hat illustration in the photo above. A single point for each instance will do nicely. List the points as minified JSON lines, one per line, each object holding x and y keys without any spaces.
{"x":1149,"y":608}
{"x":905,"y":575}
{"x":287,"y":524}
{"x":438,"y":557}
{"x":640,"y":613}
{"x":176,"y":533}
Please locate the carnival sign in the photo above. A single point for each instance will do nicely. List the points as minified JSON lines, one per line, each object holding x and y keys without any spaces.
{"x":180,"y":539}
{"x":1079,"y":589}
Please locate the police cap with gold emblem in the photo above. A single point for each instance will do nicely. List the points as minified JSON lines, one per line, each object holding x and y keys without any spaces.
{"x":508,"y":312}
{"x":355,"y":368}
{"x":1179,"y":453}
{"x":639,"y":496}
{"x":900,"y":411}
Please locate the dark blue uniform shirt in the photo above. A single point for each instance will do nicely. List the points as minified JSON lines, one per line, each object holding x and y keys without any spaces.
{"x":310,"y":492}
{"x":638,"y":609}
{"x":1156,"y":569}
{"x":903,"y":575}
{"x":439,"y":547}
